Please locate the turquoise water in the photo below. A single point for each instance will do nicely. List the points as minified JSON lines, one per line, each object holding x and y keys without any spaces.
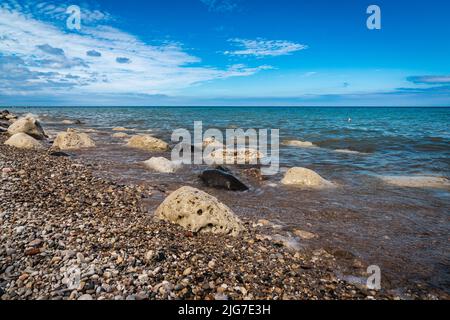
{"x":391,"y":140}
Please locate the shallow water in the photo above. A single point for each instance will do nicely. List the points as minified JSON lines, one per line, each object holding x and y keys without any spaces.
{"x":406,"y":231}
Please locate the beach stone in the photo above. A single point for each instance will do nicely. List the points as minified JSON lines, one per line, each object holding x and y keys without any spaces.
{"x":28,"y":125}
{"x":305,"y":178}
{"x":120,"y":135}
{"x":162,"y":165}
{"x":305,"y":235}
{"x":77,"y":122}
{"x":235,"y":156}
{"x":120,"y":129}
{"x":148,"y":143}
{"x":73,"y":140}
{"x":85,"y":297}
{"x":222,"y":180}
{"x":200,"y":212}
{"x":24,"y":141}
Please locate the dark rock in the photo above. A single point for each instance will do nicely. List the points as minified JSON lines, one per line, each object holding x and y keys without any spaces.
{"x":224,"y":169}
{"x":160,"y":256}
{"x":59,"y":154}
{"x":222,"y":180}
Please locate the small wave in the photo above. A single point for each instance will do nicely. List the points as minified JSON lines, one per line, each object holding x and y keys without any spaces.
{"x":417,"y":181}
{"x":348,"y":151}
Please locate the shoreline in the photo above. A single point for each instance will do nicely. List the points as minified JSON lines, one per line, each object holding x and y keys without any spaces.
{"x":48,"y":201}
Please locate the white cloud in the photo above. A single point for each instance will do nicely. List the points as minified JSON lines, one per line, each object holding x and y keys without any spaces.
{"x":264,"y":48}
{"x":122,"y":63}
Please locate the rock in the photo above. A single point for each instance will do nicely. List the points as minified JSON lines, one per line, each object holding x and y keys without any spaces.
{"x":73,"y":140}
{"x":305,"y":235}
{"x":235,"y":156}
{"x":59,"y":154}
{"x":299,"y":144}
{"x":162,"y":165}
{"x":303,"y":177}
{"x":222,"y":180}
{"x":148,"y":143}
{"x":120,"y":135}
{"x":120,"y":129}
{"x":212,"y":142}
{"x":417,"y":181}
{"x":77,"y":122}
{"x":200,"y":212}
{"x":187,"y":272}
{"x":24,"y":141}
{"x":28,"y":125}
{"x":85,"y":297}
{"x":32,"y":251}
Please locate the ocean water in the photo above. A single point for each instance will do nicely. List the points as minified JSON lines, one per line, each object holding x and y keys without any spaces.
{"x":392,"y":204}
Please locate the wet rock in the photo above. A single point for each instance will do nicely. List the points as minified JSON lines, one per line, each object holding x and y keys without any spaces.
{"x":24,"y":141}
{"x":305,"y":235}
{"x":235,"y":156}
{"x":303,"y":177}
{"x":73,"y":140}
{"x":59,"y":154}
{"x":148,"y":143}
{"x":299,"y":144}
{"x":200,"y":212}
{"x":222,"y":180}
{"x":28,"y":125}
{"x":120,"y":135}
{"x":120,"y":129}
{"x":69,"y":122}
{"x":162,"y":165}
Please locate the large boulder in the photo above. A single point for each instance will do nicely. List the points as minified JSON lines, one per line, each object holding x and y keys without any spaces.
{"x":73,"y":140}
{"x":200,"y":212}
{"x":24,"y":141}
{"x":29,"y":125}
{"x":148,"y":143}
{"x":303,"y":177}
{"x":162,"y":165}
{"x":220,"y":179}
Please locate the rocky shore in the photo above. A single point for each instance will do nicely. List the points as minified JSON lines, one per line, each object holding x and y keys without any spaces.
{"x":66,"y":234}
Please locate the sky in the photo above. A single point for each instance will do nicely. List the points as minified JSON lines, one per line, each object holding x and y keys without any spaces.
{"x":224,"y":52}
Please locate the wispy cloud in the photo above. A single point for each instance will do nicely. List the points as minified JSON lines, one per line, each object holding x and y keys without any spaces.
{"x":220,"y":5}
{"x":429,"y":79}
{"x":264,"y":48}
{"x":37,"y":55}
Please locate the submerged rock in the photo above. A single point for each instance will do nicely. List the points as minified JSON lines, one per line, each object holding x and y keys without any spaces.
{"x":222,"y":180}
{"x":73,"y":140}
{"x":417,"y":181}
{"x":162,"y":165}
{"x":200,"y":212}
{"x":120,"y":135}
{"x":148,"y":143}
{"x":235,"y":156}
{"x":28,"y":125}
{"x":24,"y":141}
{"x":299,"y":144}
{"x":303,"y":177}
{"x":77,"y":122}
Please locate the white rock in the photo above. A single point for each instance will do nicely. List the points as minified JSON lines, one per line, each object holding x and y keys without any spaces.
{"x":162,"y":165}
{"x":85,"y":297}
{"x":28,"y":125}
{"x":73,"y":140}
{"x":303,"y":177}
{"x":198,"y":211}
{"x":305,"y":235}
{"x":148,"y":143}
{"x":299,"y":144}
{"x":235,"y":156}
{"x":417,"y":181}
{"x":23,"y":141}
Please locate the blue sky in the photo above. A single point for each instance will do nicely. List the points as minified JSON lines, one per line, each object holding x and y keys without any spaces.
{"x":225,"y":52}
